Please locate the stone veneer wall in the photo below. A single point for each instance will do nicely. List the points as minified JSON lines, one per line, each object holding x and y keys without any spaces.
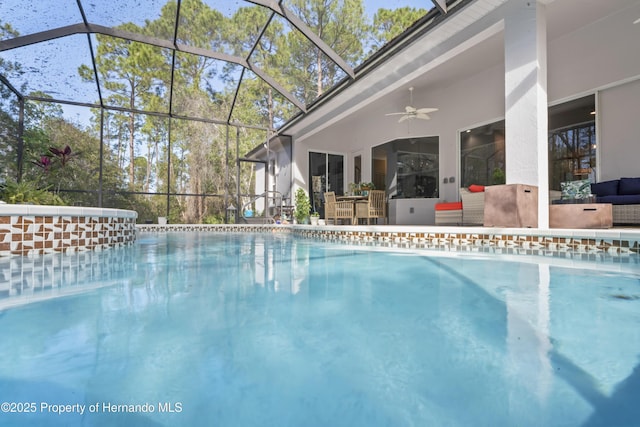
{"x":33,"y":229}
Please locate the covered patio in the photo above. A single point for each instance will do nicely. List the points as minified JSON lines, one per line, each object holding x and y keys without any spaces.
{"x":519,"y":98}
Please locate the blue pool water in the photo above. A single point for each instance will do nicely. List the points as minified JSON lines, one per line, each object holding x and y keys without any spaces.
{"x":273,"y":330}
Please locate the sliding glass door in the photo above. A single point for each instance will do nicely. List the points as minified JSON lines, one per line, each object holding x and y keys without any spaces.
{"x":326,"y":173}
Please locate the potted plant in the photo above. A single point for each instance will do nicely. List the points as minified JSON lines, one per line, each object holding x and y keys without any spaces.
{"x":366,"y":186}
{"x":303,"y":206}
{"x":497,"y":176}
{"x":315,"y":216}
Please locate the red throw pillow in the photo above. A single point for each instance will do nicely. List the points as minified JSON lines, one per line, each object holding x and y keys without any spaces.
{"x":448,"y":206}
{"x":475,"y":188}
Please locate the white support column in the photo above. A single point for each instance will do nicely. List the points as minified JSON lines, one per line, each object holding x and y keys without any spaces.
{"x":526,"y":100}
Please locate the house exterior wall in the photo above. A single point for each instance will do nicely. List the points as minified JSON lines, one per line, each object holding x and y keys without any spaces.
{"x":619,"y":131}
{"x":284,"y":170}
{"x":279,"y":154}
{"x":599,"y":58}
{"x":603,"y":58}
{"x":473,"y":101}
{"x":600,"y":54}
{"x":261,"y":186}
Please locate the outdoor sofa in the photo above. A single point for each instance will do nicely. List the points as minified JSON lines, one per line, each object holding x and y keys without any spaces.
{"x":624,"y":196}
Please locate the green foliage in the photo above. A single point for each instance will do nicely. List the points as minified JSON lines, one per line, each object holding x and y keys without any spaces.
{"x":27,"y":192}
{"x":135,"y":149}
{"x":214,"y":219}
{"x":340,"y":24}
{"x":388,"y":24}
{"x":367,"y":186}
{"x":498,"y":177}
{"x":303,"y":206}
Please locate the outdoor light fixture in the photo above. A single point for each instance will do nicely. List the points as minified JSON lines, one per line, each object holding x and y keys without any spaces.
{"x":231,"y":214}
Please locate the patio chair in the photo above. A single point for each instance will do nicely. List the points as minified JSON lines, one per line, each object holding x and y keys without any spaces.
{"x":472,"y":207}
{"x":374,"y":207}
{"x":337,"y":210}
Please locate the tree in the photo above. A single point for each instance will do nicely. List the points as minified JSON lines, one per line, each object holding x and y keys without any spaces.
{"x":37,"y":117}
{"x":137,"y":76}
{"x":129,"y":70}
{"x":388,"y":24}
{"x":341,"y":25}
{"x":8,"y":113}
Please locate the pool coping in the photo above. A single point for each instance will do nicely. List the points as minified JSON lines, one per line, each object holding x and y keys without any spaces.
{"x":46,"y":210}
{"x":617,"y":242}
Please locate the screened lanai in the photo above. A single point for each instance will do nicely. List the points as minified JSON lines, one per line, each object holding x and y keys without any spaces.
{"x":150,"y":105}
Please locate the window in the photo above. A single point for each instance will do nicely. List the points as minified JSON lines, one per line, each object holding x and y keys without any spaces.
{"x":572,"y":147}
{"x":482,"y":156}
{"x":326,"y":173}
{"x":357,"y":169}
{"x":407,"y":168}
{"x":572,"y":141}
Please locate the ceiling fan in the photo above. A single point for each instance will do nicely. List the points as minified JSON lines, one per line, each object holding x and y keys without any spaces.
{"x":411,"y":112}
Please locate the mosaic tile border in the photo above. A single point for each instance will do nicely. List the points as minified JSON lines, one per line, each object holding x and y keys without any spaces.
{"x":34,"y":230}
{"x":215,"y":228}
{"x":555,"y":242}
{"x":591,"y":249}
{"x":28,"y":279}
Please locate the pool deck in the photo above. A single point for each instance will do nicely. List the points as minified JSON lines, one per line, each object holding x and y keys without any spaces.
{"x":613,"y":242}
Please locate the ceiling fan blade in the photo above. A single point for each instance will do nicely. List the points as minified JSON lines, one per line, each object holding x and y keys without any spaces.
{"x":426,"y":110}
{"x":394,"y":114}
{"x":422,"y":116}
{"x":409,"y":109}
{"x":405,"y":117}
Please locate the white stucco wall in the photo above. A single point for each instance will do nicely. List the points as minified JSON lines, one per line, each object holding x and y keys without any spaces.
{"x":604,"y":58}
{"x":471,"y":102}
{"x":619,"y":131}
{"x":595,"y":56}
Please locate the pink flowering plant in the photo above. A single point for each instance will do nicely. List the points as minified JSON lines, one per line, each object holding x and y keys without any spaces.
{"x":53,"y":163}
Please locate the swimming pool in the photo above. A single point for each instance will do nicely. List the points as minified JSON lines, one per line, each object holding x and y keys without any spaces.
{"x":274,"y":330}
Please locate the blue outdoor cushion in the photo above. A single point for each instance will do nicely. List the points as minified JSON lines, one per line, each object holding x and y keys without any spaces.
{"x":606,"y":188}
{"x":629,"y":186}
{"x":633,"y":199}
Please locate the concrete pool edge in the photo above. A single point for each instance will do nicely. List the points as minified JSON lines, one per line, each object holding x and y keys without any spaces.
{"x":623,"y":242}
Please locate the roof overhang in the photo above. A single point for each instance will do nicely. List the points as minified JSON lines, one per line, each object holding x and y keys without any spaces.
{"x":467,"y":23}
{"x":426,"y":50}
